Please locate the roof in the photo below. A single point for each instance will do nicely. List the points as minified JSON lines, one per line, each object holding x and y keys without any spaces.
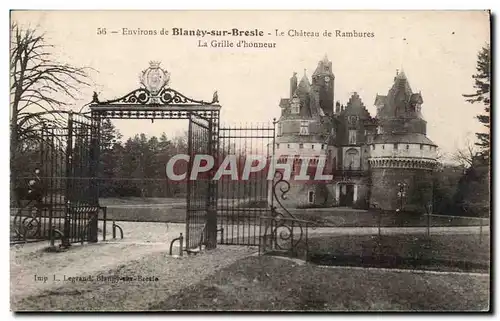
{"x":355,"y":106}
{"x":304,"y":85}
{"x":324,"y":67}
{"x":411,"y":138}
{"x":380,"y":100}
{"x":398,"y":98}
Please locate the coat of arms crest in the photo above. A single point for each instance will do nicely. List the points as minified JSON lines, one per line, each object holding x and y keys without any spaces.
{"x":154,"y":78}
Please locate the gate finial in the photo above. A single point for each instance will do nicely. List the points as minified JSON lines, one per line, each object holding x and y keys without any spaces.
{"x":95,"y":98}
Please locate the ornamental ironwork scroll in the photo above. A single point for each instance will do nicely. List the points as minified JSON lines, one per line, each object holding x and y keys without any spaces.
{"x":283,"y":232}
{"x":155,"y":91}
{"x":165,"y":96}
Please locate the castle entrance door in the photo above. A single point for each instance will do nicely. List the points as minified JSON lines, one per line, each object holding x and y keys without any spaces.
{"x":346,"y":194}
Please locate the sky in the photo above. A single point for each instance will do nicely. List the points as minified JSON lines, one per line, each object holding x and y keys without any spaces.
{"x":436,"y":49}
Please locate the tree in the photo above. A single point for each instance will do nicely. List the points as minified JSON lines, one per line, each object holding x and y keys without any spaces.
{"x":40,"y":88}
{"x":109,"y":158}
{"x":482,"y":95}
{"x":466,"y":156}
{"x":39,"y":84}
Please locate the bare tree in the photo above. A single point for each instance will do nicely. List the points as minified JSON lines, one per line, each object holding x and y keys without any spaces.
{"x":41,"y":88}
{"x":39,"y":84}
{"x":465,"y":156}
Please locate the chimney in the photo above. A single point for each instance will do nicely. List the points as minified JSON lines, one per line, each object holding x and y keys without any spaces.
{"x":293,"y":84}
{"x":337,"y":107}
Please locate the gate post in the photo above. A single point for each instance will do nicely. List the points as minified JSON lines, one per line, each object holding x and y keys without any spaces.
{"x":211,"y":229}
{"x":211,"y":223}
{"x":67,"y":226}
{"x":94,"y":219}
{"x":94,"y":173}
{"x":69,"y":182}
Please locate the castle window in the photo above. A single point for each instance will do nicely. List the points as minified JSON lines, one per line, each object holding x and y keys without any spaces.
{"x":311,"y":197}
{"x":288,"y":146}
{"x":383,"y":146}
{"x":421,"y":146}
{"x":295,"y":105}
{"x":304,"y":128}
{"x":352,"y":137}
{"x":301,"y":145}
{"x":395,"y":146}
{"x":277,"y":146}
{"x":312,"y":146}
{"x":351,"y":120}
{"x":351,"y":159}
{"x":373,"y":146}
{"x":322,"y":146}
{"x":407,"y":146}
{"x":280,"y":129}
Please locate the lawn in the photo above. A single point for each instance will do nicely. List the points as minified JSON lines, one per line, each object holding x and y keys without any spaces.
{"x":157,"y":209}
{"x":268,"y":283}
{"x":361,"y":218}
{"x":444,"y":252}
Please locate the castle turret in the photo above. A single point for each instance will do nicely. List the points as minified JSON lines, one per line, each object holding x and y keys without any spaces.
{"x":301,"y":131}
{"x":402,"y":158}
{"x":324,"y":79}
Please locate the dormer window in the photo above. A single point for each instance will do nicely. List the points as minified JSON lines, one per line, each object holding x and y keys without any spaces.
{"x":352,"y":137}
{"x":304,"y":128}
{"x":351,"y":120}
{"x":295,"y":105}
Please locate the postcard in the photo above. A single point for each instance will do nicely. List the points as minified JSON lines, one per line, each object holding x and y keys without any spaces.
{"x":250,"y":161}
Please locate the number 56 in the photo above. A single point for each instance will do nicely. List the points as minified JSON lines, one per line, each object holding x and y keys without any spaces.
{"x":101,"y":31}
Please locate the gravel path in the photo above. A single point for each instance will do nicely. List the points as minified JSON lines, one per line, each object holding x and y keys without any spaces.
{"x":131,"y":277}
{"x":144,"y":250}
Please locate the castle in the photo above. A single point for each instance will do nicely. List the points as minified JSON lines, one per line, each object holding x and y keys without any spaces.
{"x":386,"y":160}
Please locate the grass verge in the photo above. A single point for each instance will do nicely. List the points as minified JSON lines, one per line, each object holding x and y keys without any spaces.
{"x":444,"y":252}
{"x":268,"y":283}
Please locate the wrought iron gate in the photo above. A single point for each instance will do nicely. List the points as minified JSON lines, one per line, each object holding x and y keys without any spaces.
{"x":82,"y":186}
{"x":200,"y":188}
{"x":56,"y":186}
{"x":244,"y":200}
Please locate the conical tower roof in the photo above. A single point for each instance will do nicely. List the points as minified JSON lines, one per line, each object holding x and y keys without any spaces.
{"x":304,"y":86}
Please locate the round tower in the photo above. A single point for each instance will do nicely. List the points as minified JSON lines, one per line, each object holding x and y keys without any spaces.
{"x":302,"y":140}
{"x":402,"y":158}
